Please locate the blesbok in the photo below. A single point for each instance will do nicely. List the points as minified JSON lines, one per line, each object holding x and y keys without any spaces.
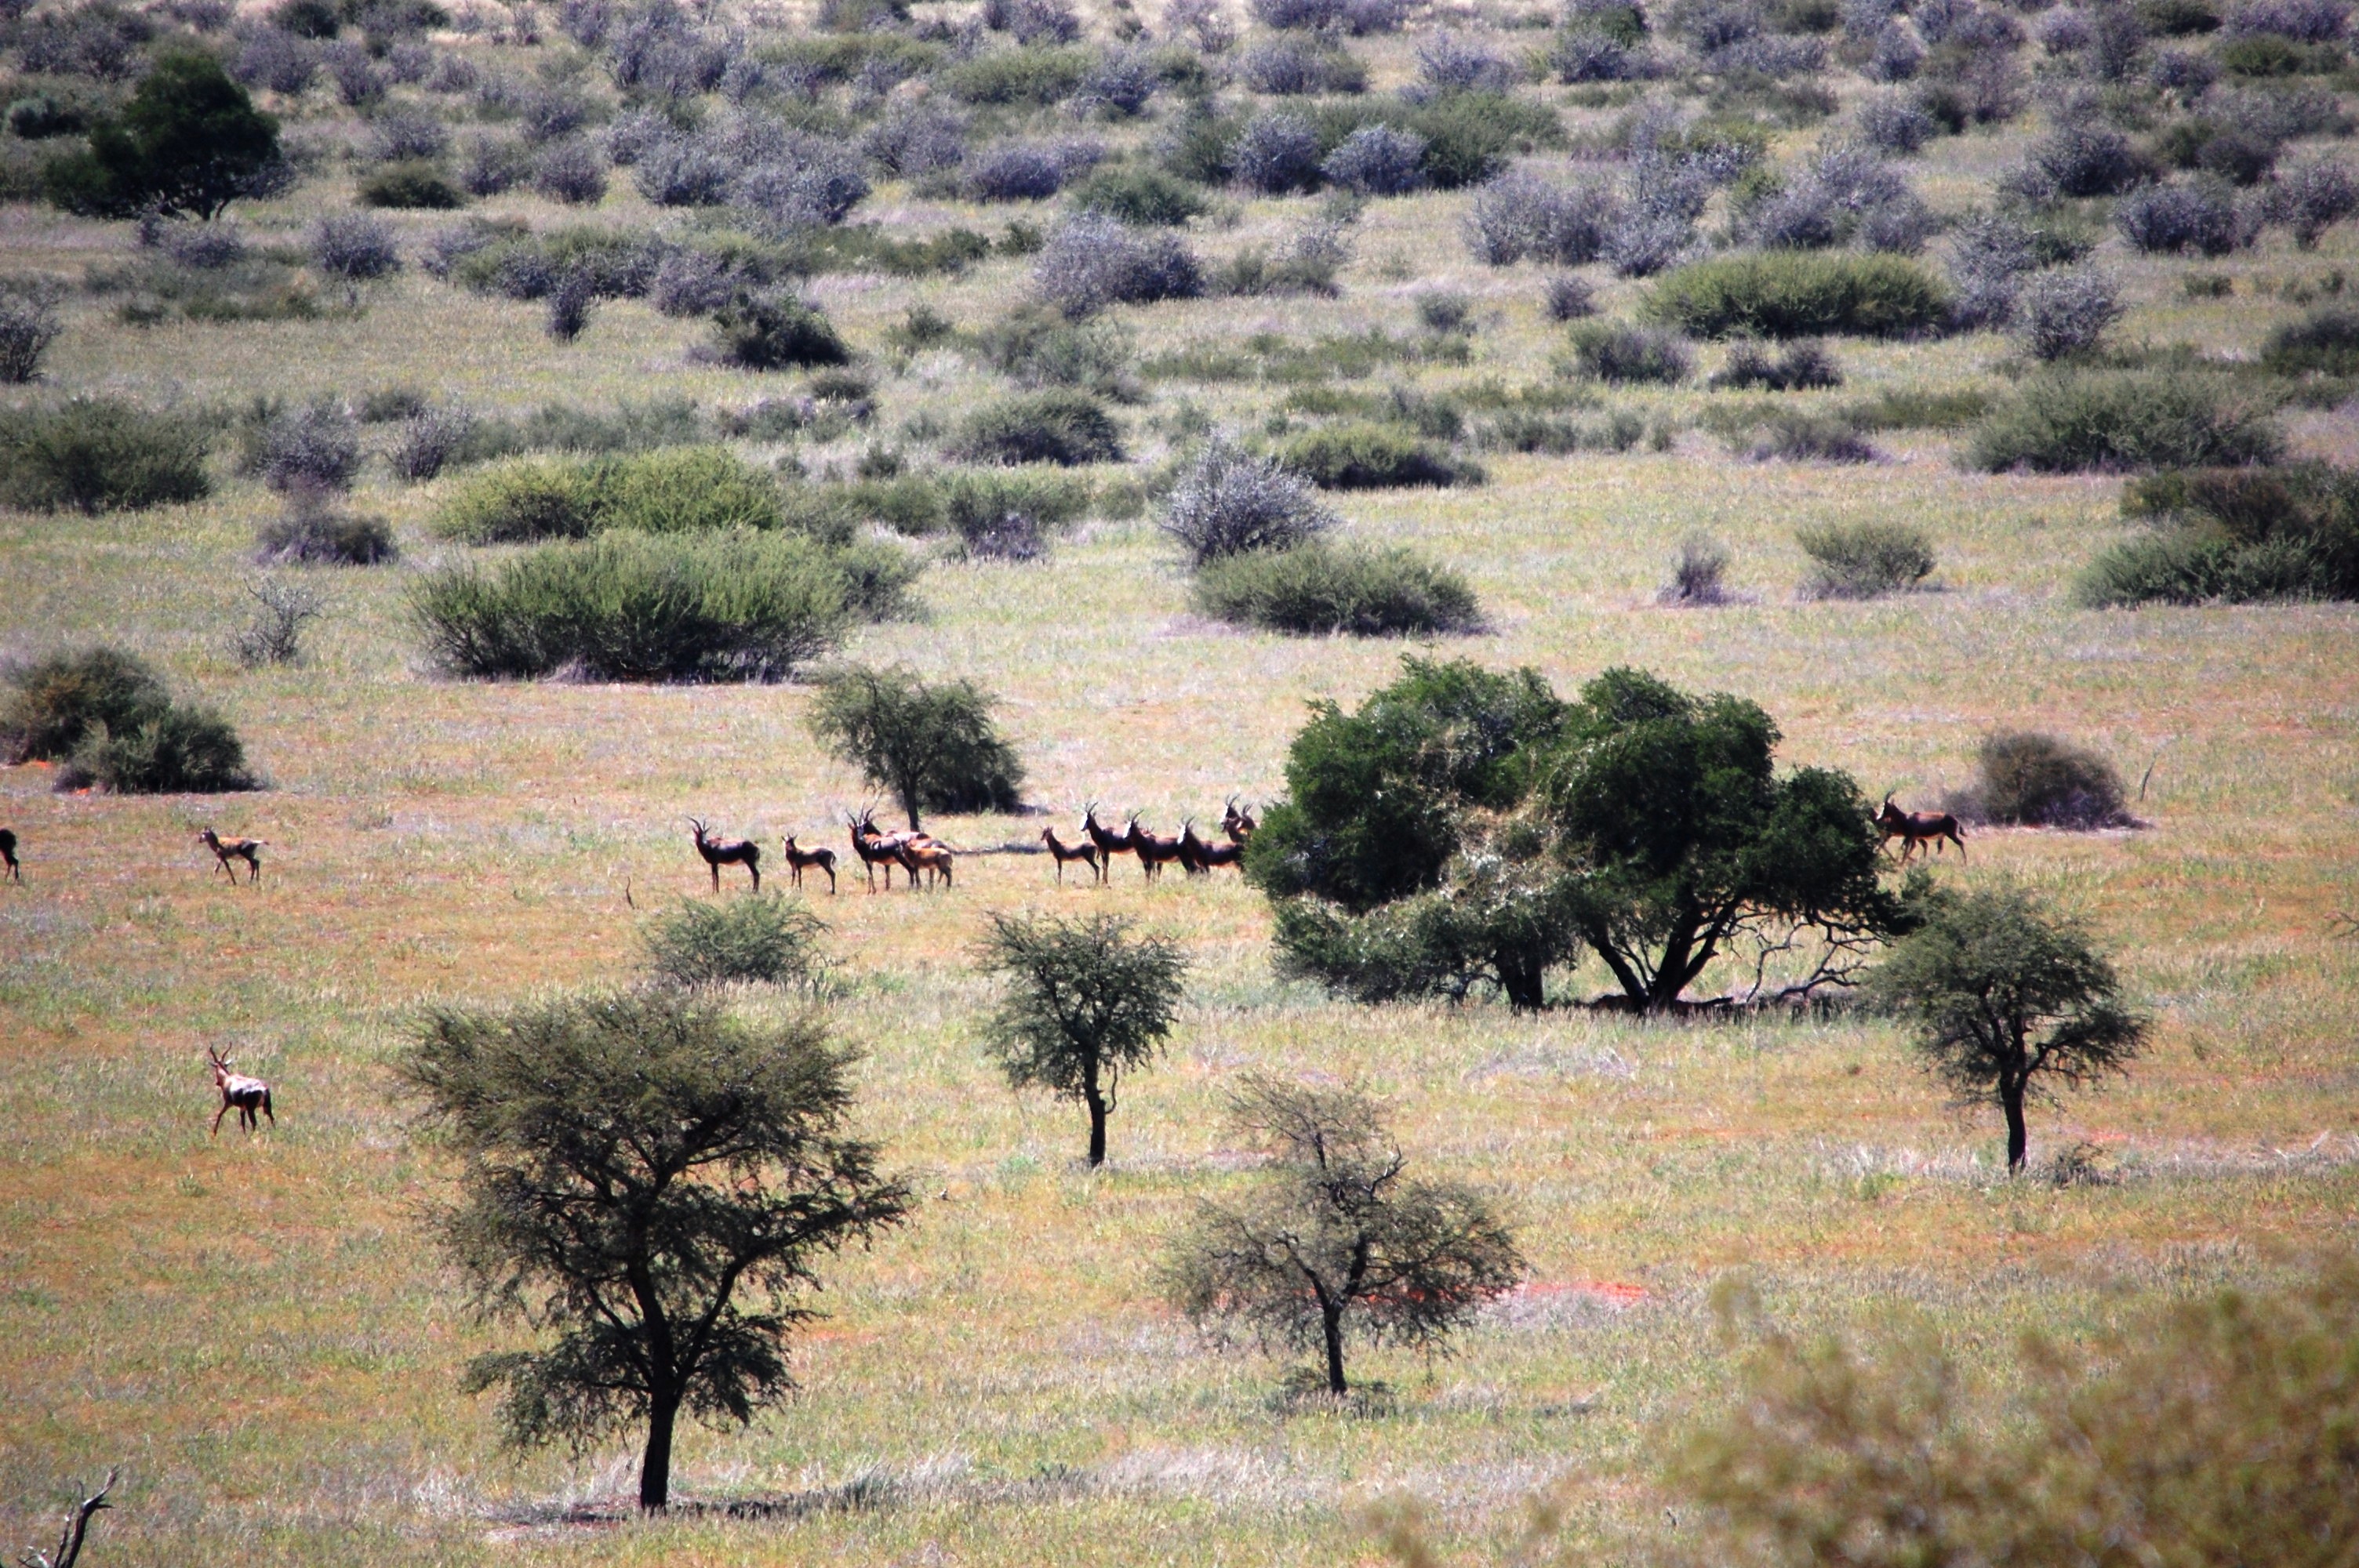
{"x":799,"y":860}
{"x":1915,"y":827}
{"x":227,"y":849}
{"x":1202,"y":855}
{"x":1085,"y":853}
{"x":720,"y":853}
{"x":239,"y":1093}
{"x":1155,"y":850}
{"x":1108,"y":845}
{"x":9,"y":854}
{"x":1238,"y":825}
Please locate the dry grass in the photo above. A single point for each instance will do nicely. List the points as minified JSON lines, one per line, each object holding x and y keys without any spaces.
{"x":250,"y":1326}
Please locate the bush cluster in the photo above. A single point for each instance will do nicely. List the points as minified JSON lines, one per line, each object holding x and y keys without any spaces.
{"x":1371,"y":457}
{"x":99,"y":454}
{"x":2121,"y":419}
{"x":108,"y":717}
{"x":1863,"y":560}
{"x":1092,"y":261}
{"x":2035,"y":780}
{"x":1228,"y":502}
{"x":1621,"y":353}
{"x":2235,"y":536}
{"x":763,"y":939}
{"x":1057,"y":426}
{"x":667,"y":491}
{"x":1802,"y":295}
{"x":1316,"y":588}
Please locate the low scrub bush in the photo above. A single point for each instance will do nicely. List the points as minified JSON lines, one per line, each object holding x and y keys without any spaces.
{"x":2164,"y":218}
{"x":1228,"y":502}
{"x":2235,"y":536}
{"x":184,"y":749}
{"x":2111,"y":420}
{"x":411,"y":183}
{"x":1519,"y":216}
{"x":2082,"y":156}
{"x":1802,"y":435}
{"x":638,"y":606}
{"x":354,"y":246}
{"x":1035,"y":347}
{"x":1027,"y":170}
{"x":1290,"y":68}
{"x":1371,"y":457}
{"x":671,"y":490}
{"x":1276,"y":152}
{"x":275,"y":635}
{"x":2066,"y":312}
{"x":777,"y":331}
{"x":1699,"y":574}
{"x":1316,"y":588}
{"x":55,"y":703}
{"x":2325,"y":340}
{"x":761,"y":939}
{"x":1471,"y":137}
{"x":1377,"y":160}
{"x":1802,"y":295}
{"x":1621,"y":353}
{"x":1033,"y":76}
{"x":1569,"y":298}
{"x":1803,"y":367}
{"x":2037,"y":781}
{"x":28,"y":325}
{"x":96,"y":454}
{"x":316,"y":446}
{"x":1863,"y":560}
{"x":1093,"y":261}
{"x":312,"y":533}
{"x":1060,"y":427}
{"x":1141,"y":197}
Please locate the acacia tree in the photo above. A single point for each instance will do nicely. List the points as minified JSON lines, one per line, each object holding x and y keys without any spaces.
{"x":651,"y":1181}
{"x":1340,"y":1242}
{"x":1085,"y":1002}
{"x":933,"y":747}
{"x":190,"y":140}
{"x":2008,"y":998}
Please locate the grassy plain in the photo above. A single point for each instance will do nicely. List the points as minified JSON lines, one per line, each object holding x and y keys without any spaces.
{"x":253,"y":1329}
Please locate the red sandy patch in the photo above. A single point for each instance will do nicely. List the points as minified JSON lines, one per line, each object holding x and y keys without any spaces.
{"x":1613,"y":1293}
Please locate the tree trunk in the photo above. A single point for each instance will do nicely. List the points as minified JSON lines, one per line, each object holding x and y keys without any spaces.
{"x":1522,"y":982}
{"x":909,"y":805}
{"x":2010,"y":1094}
{"x":1095,"y":1099}
{"x":1332,"y":1320}
{"x":655,"y":1470}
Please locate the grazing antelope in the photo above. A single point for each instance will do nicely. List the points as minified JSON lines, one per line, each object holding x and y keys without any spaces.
{"x":932,"y":858}
{"x":9,"y":854}
{"x":239,"y":1093}
{"x":1238,"y":825}
{"x":1200,"y":855}
{"x":1915,"y":827}
{"x":799,"y":860}
{"x":720,"y":853}
{"x":1155,"y":850}
{"x":1108,"y":845}
{"x":1085,"y":853}
{"x":227,"y":849}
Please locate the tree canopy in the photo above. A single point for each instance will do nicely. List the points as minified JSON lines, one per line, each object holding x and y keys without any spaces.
{"x":1340,"y":1242}
{"x":651,"y":1181}
{"x":1085,"y":1002}
{"x":934,"y":747}
{"x":1468,"y":829}
{"x":2004,"y":996}
{"x":190,"y":141}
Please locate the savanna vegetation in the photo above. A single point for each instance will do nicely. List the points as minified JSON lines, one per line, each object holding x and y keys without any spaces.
{"x":1511,"y":507}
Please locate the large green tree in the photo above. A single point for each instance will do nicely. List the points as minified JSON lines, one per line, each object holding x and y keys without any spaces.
{"x":934,"y":747}
{"x":651,"y":1181}
{"x":1467,"y":829}
{"x":190,"y":141}
{"x":2008,"y":998}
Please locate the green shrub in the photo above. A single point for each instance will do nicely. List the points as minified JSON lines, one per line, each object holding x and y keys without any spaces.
{"x":2107,"y":419}
{"x":2235,"y":535}
{"x":2325,"y":340}
{"x":1371,"y":457}
{"x":313,"y":532}
{"x":1801,"y":293}
{"x":777,"y":331}
{"x":638,"y":607}
{"x":180,"y":751}
{"x":1035,"y":76}
{"x":58,"y":701}
{"x":1139,"y":196}
{"x":1898,"y":409}
{"x":762,"y":939}
{"x":936,"y":747}
{"x":2022,"y":776}
{"x":1618,"y":353}
{"x":670,"y":490}
{"x":1053,"y":427}
{"x":1470,"y":135}
{"x":413,"y":183}
{"x":96,"y":454}
{"x":190,"y":141}
{"x":1863,"y":560}
{"x":1317,"y":587}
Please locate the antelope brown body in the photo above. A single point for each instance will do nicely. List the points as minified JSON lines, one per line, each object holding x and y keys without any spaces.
{"x":1155,"y":850}
{"x":799,"y":860}
{"x":1915,"y":827}
{"x":227,"y":849}
{"x":720,"y":853}
{"x":1238,"y":825}
{"x":239,"y":1093}
{"x":1085,"y":853}
{"x":1107,"y":844}
{"x":1201,"y":855}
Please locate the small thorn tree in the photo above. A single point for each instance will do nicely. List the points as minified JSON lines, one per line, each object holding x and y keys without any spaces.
{"x":1340,"y":1242}
{"x":651,"y":1179}
{"x":934,"y":747}
{"x":1086,"y":1001}
{"x":2007,"y":999}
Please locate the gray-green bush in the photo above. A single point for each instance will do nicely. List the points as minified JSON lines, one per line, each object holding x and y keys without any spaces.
{"x":1863,"y":560}
{"x":99,"y":454}
{"x":673,"y":489}
{"x":1317,"y":587}
{"x":761,"y":939}
{"x":2115,"y":419}
{"x":1801,"y":293}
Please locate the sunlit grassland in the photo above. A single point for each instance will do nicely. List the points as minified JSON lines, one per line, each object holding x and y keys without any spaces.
{"x":255,"y":1330}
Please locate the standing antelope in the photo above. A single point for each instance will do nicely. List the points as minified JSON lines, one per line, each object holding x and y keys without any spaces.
{"x":720,"y":853}
{"x":1200,"y":855}
{"x":1155,"y":850}
{"x":1086,"y":853}
{"x":1238,"y":825}
{"x":1915,"y":827}
{"x":876,"y":848}
{"x":799,"y":860}
{"x":9,"y":854}
{"x":931,"y":857}
{"x":1108,"y":845}
{"x":239,"y":1093}
{"x":227,"y":849}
